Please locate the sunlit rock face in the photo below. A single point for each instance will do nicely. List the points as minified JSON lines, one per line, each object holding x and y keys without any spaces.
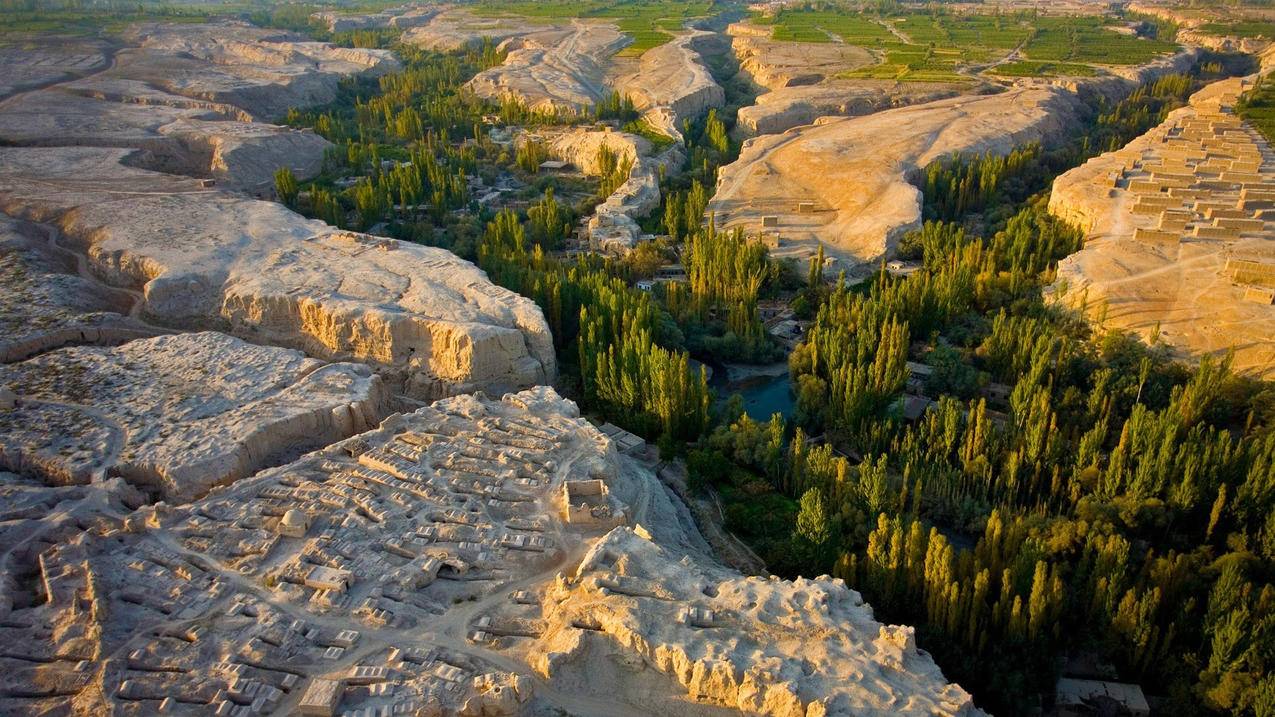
{"x":846,"y":183}
{"x":465,"y":554}
{"x":176,"y":414}
{"x":561,"y":68}
{"x":204,"y":258}
{"x":1179,"y":246}
{"x":144,"y":165}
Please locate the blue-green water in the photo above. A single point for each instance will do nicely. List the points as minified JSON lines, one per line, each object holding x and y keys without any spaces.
{"x":763,"y":395}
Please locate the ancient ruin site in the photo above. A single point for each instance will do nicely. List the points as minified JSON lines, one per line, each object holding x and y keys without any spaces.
{"x":592,"y":358}
{"x":1179,"y":232}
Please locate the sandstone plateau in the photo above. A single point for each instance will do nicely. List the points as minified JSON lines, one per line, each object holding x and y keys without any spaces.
{"x":192,"y":98}
{"x":176,"y":414}
{"x":430,"y":321}
{"x":1179,"y":246}
{"x":419,"y":566}
{"x":455,"y":29}
{"x":119,"y":164}
{"x":174,"y":346}
{"x":799,"y":82}
{"x":847,"y":182}
{"x":613,"y":225}
{"x":562,"y":68}
{"x":672,"y":83}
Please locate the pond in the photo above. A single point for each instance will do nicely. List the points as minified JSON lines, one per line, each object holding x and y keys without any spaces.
{"x":764,"y":394}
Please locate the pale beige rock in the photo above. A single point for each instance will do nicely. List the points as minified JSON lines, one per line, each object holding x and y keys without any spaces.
{"x":404,"y":17}
{"x":188,"y":95}
{"x":457,"y":29}
{"x":31,"y":61}
{"x":431,"y":558}
{"x":176,"y":414}
{"x":784,"y":108}
{"x":1171,"y":285}
{"x":775,"y":64}
{"x":800,"y":82}
{"x":556,"y":69}
{"x":263,"y":72}
{"x":754,"y":645}
{"x":45,"y":305}
{"x":857,"y":171}
{"x":614,"y":226}
{"x":431,"y":322}
{"x":672,"y":83}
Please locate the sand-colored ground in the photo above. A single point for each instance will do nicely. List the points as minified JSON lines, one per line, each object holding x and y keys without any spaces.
{"x":204,"y":258}
{"x":848,"y":183}
{"x":182,"y":101}
{"x":845,"y":182}
{"x":46,"y":304}
{"x":189,"y":96}
{"x":457,"y":29}
{"x":32,"y":61}
{"x":613,"y":226}
{"x":803,"y":81}
{"x":176,"y":414}
{"x":782,"y":109}
{"x":434,"y":564}
{"x":557,"y":69}
{"x":1178,"y":245}
{"x":671,"y":83}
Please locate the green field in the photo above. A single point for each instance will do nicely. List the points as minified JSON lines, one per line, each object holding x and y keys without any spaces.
{"x":815,"y":26}
{"x":1089,"y":40}
{"x":1039,"y":68}
{"x":1245,"y":28}
{"x":936,"y":46}
{"x":972,"y":33}
{"x":649,"y":22}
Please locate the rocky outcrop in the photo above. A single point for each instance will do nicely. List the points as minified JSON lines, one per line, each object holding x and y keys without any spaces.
{"x":435,"y":550}
{"x":560,"y":69}
{"x":774,"y":64}
{"x":263,"y":72}
{"x":613,"y":226}
{"x":403,"y":18}
{"x":176,"y":414}
{"x":26,"y":65}
{"x":431,"y":322}
{"x":847,"y":183}
{"x":759,"y":646}
{"x":188,"y":98}
{"x":245,"y":155}
{"x":787,"y":107}
{"x":672,"y":83}
{"x":1175,"y":249}
{"x":802,"y":81}
{"x":456,"y":28}
{"x":183,"y":103}
{"x":1190,"y":21}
